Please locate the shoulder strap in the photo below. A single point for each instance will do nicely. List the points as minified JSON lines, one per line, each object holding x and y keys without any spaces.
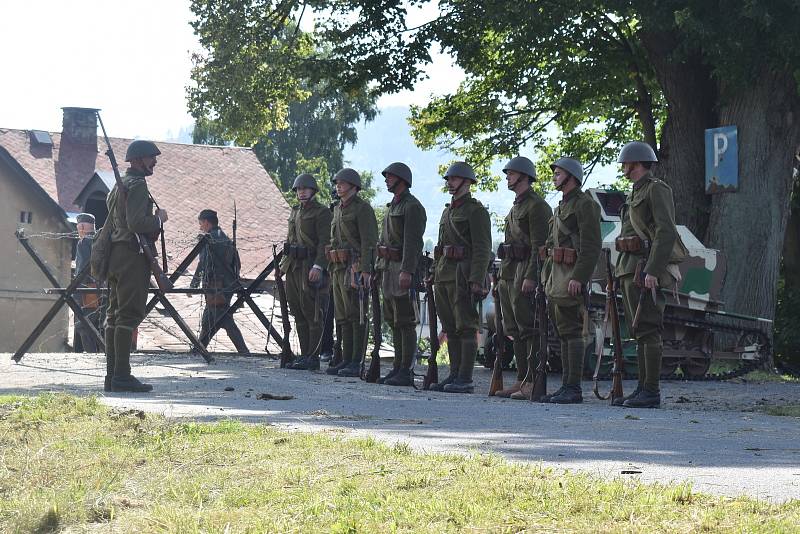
{"x":459,"y":236}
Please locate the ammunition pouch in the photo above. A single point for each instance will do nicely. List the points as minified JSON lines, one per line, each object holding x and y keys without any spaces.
{"x":453,"y":252}
{"x":543,"y":252}
{"x":340,"y":255}
{"x":513,"y":252}
{"x":390,"y":253}
{"x":563,"y":255}
{"x":299,"y":252}
{"x":631,"y":244}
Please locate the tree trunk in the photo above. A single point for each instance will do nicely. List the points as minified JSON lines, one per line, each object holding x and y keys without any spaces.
{"x":690,"y":94}
{"x":791,"y":242}
{"x":749,"y":225}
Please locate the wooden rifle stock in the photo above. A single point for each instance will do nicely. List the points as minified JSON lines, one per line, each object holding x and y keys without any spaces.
{"x":612,"y":310}
{"x":162,"y":281}
{"x":539,"y":389}
{"x":286,"y":348}
{"x":499,"y":339}
{"x":374,"y":371}
{"x":432,"y":374}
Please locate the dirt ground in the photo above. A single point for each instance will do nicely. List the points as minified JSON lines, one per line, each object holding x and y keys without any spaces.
{"x":711,"y":434}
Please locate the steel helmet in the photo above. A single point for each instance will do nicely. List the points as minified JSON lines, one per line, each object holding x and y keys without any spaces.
{"x":305,"y":180}
{"x":399,"y":169}
{"x":141,"y":149}
{"x":461,"y":170}
{"x":571,"y":165}
{"x":348,"y":175}
{"x":522,"y":165}
{"x":636,"y":151}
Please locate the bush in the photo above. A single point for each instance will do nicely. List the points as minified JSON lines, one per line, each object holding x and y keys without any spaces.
{"x":786,"y":330}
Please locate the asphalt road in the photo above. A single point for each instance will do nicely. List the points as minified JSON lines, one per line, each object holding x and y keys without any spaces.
{"x":710,"y":434}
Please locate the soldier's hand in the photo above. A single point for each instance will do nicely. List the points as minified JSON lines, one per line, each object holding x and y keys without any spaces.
{"x":405,"y":280}
{"x":366,"y":279}
{"x":650,"y":281}
{"x":162,"y":214}
{"x":476,"y":289}
{"x":528,"y":286}
{"x":314,"y":275}
{"x":574,"y":288}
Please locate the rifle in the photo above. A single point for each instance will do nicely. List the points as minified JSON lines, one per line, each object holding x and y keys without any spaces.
{"x":162,"y":281}
{"x":233,"y":226}
{"x":432,"y":375}
{"x":612,"y":313}
{"x":286,"y":348}
{"x":539,"y":389}
{"x":363,"y":310}
{"x":374,"y":372}
{"x":499,"y":339}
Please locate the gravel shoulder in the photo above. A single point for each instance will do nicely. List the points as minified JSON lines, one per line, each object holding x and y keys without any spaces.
{"x":710,"y":434}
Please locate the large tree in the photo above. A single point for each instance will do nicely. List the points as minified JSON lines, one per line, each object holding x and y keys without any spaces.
{"x":582,"y":77}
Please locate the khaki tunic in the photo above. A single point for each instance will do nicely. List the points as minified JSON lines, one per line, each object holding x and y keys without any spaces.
{"x":575,"y":224}
{"x":526,"y":225}
{"x":354,"y":227}
{"x":403,"y":227}
{"x":465,"y":222}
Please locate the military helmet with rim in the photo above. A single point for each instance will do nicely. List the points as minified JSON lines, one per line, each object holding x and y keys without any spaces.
{"x":461,"y":169}
{"x":571,"y":165}
{"x":141,"y":149}
{"x":305,"y":180}
{"x":348,"y":175}
{"x":522,"y":165}
{"x":637,"y":151}
{"x":399,"y":169}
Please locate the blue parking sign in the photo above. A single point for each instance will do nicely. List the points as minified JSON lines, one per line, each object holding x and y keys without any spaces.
{"x":722,"y":160}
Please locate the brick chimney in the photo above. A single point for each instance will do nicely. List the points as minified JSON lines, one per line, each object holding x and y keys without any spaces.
{"x":77,"y":154}
{"x":80,"y":126}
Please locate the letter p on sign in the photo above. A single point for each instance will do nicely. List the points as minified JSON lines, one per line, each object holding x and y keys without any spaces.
{"x":722,"y":159}
{"x":720,"y":146}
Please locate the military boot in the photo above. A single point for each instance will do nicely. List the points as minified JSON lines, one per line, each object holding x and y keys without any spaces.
{"x":644,"y":399}
{"x":571,"y":394}
{"x":463,"y":383}
{"x":123,"y":380}
{"x":403,"y":377}
{"x":309,"y":363}
{"x":649,"y":395}
{"x":620,"y":401}
{"x":110,"y":357}
{"x":525,"y":390}
{"x":454,"y":354}
{"x":397,"y":343}
{"x":345,"y":333}
{"x":353,"y":369}
{"x":297,"y":363}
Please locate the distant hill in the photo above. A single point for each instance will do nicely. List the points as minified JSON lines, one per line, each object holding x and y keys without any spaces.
{"x":387,"y":139}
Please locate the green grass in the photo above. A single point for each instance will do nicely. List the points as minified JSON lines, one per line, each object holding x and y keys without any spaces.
{"x":70,"y":464}
{"x":788,"y":410}
{"x":766,"y":376}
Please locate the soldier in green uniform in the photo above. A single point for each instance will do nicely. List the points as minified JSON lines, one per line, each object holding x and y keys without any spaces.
{"x":398,"y":254}
{"x":128,"y":270}
{"x":305,"y":265}
{"x":354,"y":234}
{"x":218,"y":269}
{"x":573,"y":246}
{"x":461,"y":261}
{"x":525,"y":232}
{"x":649,"y":247}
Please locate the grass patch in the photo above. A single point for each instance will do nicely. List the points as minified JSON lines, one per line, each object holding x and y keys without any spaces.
{"x":760,"y":375}
{"x":71,"y":464}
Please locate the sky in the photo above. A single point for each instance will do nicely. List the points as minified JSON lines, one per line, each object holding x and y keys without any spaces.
{"x":130,"y":59}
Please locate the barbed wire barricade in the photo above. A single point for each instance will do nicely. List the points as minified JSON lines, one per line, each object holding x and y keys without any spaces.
{"x":253,"y":306}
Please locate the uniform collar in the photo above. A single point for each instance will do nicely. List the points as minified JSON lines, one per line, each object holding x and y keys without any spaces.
{"x":642,"y":181}
{"x":398,"y":198}
{"x":312,"y":203}
{"x":570,"y":195}
{"x":134,"y":172}
{"x":528,"y":193}
{"x":349,"y":201}
{"x":460,"y":202}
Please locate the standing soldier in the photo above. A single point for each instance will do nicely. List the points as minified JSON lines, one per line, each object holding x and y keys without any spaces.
{"x":525,"y":232}
{"x":305,"y":265}
{"x":89,"y":301}
{"x":649,"y":247}
{"x":128,"y":269}
{"x":398,"y":256}
{"x":573,"y":247}
{"x":354,"y":234}
{"x":218,"y":268}
{"x":461,"y":260}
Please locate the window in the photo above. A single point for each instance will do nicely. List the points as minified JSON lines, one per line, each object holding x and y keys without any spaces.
{"x":26,"y":217}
